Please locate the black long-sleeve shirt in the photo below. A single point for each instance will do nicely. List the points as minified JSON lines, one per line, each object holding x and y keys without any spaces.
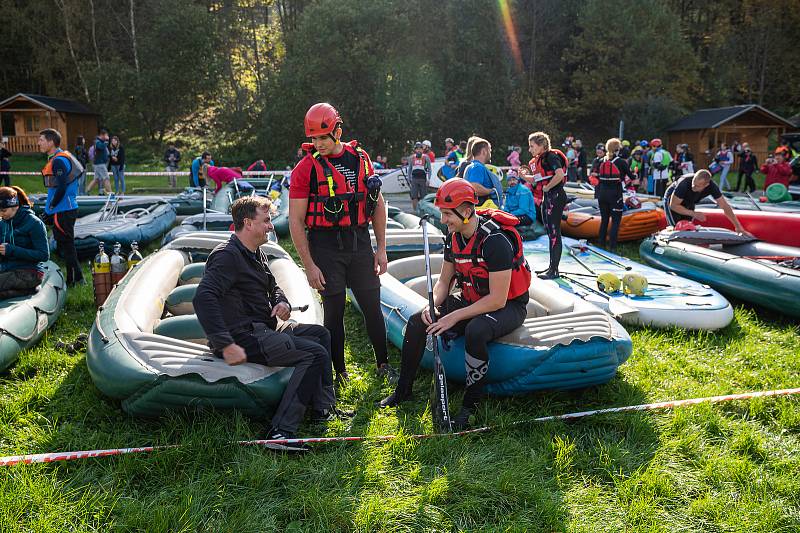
{"x":236,"y":291}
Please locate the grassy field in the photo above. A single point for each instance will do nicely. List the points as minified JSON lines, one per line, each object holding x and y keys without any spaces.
{"x":728,"y":467}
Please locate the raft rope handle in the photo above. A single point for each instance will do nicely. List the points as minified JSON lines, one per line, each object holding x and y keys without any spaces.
{"x":84,"y":454}
{"x":395,"y":309}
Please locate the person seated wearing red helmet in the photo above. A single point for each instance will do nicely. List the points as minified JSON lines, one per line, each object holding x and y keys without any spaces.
{"x":484,"y":257}
{"x":682,"y":196}
{"x":333,"y":196}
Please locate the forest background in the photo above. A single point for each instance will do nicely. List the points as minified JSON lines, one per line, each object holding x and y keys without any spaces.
{"x":236,"y":76}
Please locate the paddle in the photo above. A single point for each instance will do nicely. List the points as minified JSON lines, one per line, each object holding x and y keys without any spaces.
{"x":584,"y":247}
{"x":439,"y":403}
{"x":205,"y":208}
{"x":580,"y":262}
{"x":615,"y":307}
{"x":758,"y":207}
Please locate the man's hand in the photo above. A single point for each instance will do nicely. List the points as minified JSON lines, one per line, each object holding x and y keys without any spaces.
{"x":282,"y":311}
{"x":234,"y":354}
{"x":443,"y":324}
{"x":697,"y":215}
{"x":381,"y":262}
{"x":426,"y":316}
{"x":315,"y":277}
{"x":741,"y":231}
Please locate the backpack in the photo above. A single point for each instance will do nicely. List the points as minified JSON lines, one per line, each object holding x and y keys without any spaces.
{"x":91,"y":153}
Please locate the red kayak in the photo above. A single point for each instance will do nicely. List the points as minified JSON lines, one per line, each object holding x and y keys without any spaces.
{"x":770,"y":226}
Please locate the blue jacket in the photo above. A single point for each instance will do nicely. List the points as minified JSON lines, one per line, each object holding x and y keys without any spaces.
{"x":477,"y":172}
{"x":63,"y":197}
{"x":100,"y":152}
{"x":194,"y":180}
{"x":519,"y":201}
{"x":26,"y":243}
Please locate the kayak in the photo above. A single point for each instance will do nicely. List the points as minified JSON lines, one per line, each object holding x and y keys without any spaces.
{"x":670,"y":301}
{"x":154,"y":359}
{"x":755,"y":271}
{"x":745,"y":203}
{"x":426,"y":207}
{"x":564,"y":343}
{"x":187,"y":202}
{"x":24,"y":319}
{"x":140,"y":224}
{"x":583,"y":221}
{"x":770,"y":226}
{"x":230,"y":192}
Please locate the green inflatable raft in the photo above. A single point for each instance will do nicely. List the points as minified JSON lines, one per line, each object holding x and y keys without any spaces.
{"x":147,"y":349}
{"x":230,"y":192}
{"x":23,"y":320}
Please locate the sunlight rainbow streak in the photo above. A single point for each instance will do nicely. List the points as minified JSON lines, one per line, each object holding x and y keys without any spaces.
{"x":511,"y":33}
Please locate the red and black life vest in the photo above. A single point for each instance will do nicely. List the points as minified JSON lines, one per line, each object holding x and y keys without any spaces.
{"x":330,"y":182}
{"x":609,"y":172}
{"x":472,"y":274}
{"x":540,"y":167}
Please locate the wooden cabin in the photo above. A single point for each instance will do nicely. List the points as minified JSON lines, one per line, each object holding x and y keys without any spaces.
{"x":705,"y":129}
{"x":23,"y":116}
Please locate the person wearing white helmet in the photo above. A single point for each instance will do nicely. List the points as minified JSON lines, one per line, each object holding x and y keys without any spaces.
{"x":426,"y":149}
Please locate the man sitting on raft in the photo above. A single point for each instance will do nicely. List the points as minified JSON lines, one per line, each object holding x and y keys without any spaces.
{"x":484,"y":257}
{"x":682,"y":196}
{"x":238,"y":304}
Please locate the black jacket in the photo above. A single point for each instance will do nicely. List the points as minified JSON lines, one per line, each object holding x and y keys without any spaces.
{"x":236,"y":291}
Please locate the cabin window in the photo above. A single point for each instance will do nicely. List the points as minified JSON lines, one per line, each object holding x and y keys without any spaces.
{"x":33,"y":123}
{"x":7,"y":124}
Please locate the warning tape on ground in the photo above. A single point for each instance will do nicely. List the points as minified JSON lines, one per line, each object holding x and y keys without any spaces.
{"x":86,"y":454}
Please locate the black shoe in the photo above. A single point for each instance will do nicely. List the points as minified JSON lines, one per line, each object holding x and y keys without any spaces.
{"x":320,"y":416}
{"x":390,"y":372}
{"x":549,"y":275}
{"x":461,"y":421}
{"x":274,"y":434}
{"x":394,"y":399}
{"x":342,"y":379}
{"x":542,"y":271}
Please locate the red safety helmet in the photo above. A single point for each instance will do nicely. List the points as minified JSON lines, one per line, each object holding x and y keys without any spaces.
{"x":655,"y":142}
{"x":685,"y":225}
{"x":321,"y":119}
{"x":455,"y":192}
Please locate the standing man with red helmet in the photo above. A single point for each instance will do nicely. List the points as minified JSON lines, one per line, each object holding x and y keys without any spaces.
{"x":333,"y":197}
{"x":484,"y":256}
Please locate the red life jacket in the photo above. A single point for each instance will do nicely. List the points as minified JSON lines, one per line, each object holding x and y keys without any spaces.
{"x":330,"y":182}
{"x":608,"y":171}
{"x":539,"y":166}
{"x":472,"y":273}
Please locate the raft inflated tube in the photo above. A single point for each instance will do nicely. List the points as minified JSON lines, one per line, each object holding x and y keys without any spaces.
{"x":192,"y":273}
{"x":179,"y":301}
{"x":185,"y":328}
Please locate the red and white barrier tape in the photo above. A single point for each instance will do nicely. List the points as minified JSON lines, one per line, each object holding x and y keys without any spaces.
{"x":181,"y":173}
{"x":85,"y":454}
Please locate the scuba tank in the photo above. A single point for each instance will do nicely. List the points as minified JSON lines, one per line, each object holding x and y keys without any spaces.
{"x":119,"y":265}
{"x":134,"y":257}
{"x":101,"y":276}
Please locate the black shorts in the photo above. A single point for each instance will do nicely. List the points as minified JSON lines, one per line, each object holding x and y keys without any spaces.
{"x":343,"y":267}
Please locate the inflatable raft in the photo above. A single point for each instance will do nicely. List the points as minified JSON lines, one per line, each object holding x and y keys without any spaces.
{"x":583,"y":221}
{"x":670,"y":301}
{"x":234,"y":190}
{"x":24,"y":319}
{"x":769,"y":226}
{"x":565,"y":342}
{"x":426,"y":207}
{"x":187,"y":202}
{"x":762,"y":273}
{"x":141,"y":224}
{"x":147,"y":349}
{"x":585,"y":191}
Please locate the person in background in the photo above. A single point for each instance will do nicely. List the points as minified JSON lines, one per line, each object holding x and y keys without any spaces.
{"x":580,"y":160}
{"x":682,"y":196}
{"x":777,"y":169}
{"x":637,"y":167}
{"x":116,"y":160}
{"x":172,"y":157}
{"x":419,"y":175}
{"x":61,"y":175}
{"x":684,"y":160}
{"x":519,"y":201}
{"x":748,"y":163}
{"x":572,"y":158}
{"x":599,"y":156}
{"x":5,"y":163}
{"x":449,"y":146}
{"x":513,"y":158}
{"x":23,"y":244}
{"x":724,"y":157}
{"x":467,"y":159}
{"x":659,"y":165}
{"x":196,"y":179}
{"x":625,"y":151}
{"x":612,"y":174}
{"x":100,"y":164}
{"x":457,"y":156}
{"x":220,"y":175}
{"x":426,"y":149}
{"x":82,"y":155}
{"x":486,"y":183}
{"x":377,"y":164}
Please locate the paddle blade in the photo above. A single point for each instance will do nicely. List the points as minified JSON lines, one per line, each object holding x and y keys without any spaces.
{"x":439,"y":402}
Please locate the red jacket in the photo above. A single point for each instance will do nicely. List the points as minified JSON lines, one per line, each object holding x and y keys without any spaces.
{"x":777,"y":173}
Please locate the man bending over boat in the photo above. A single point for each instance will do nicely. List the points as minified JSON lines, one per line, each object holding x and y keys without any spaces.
{"x":682,"y":196}
{"x":238,"y":304}
{"x":484,"y":257}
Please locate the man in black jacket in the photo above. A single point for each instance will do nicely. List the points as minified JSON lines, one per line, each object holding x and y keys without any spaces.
{"x":238,"y":304}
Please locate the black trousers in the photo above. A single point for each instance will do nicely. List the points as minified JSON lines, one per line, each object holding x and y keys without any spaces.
{"x":749,"y":183}
{"x":64,"y":235}
{"x":306,"y":347}
{"x":553,"y":204}
{"x":15,"y":283}
{"x":477,"y":331}
{"x":609,"y":200}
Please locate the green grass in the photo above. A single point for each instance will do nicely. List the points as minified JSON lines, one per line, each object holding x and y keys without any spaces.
{"x":727,"y":467}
